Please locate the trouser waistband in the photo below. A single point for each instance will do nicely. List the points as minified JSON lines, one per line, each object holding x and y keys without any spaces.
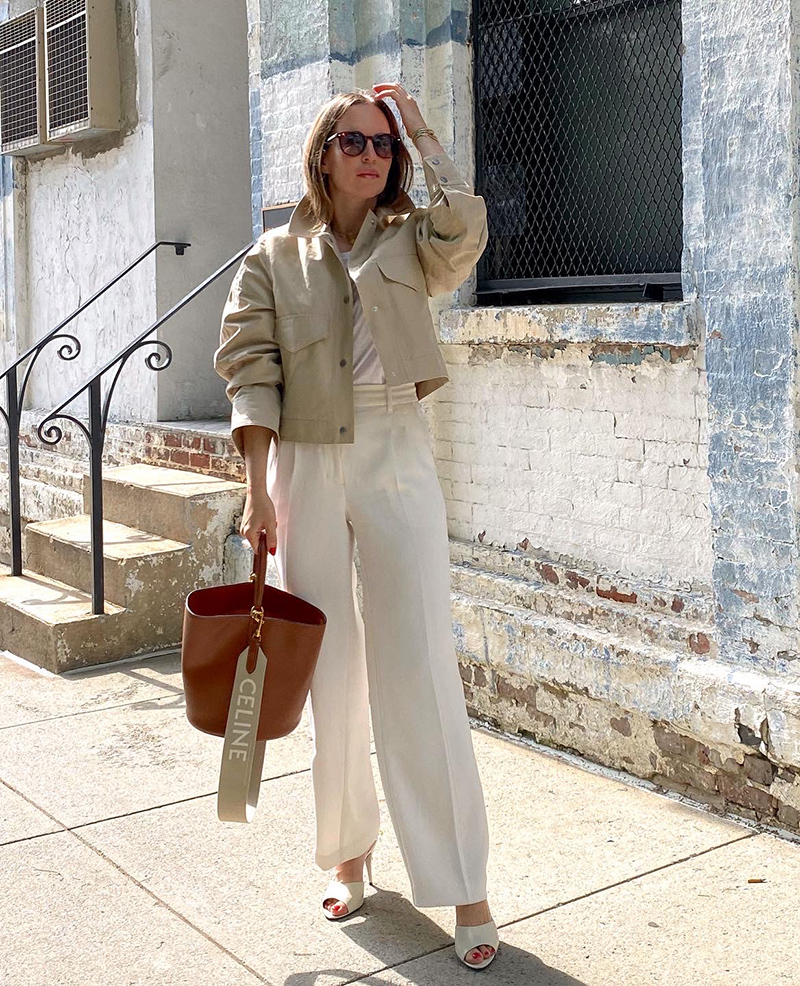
{"x":386,"y":394}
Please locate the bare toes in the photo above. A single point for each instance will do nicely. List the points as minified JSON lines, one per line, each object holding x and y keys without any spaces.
{"x":478,"y":955}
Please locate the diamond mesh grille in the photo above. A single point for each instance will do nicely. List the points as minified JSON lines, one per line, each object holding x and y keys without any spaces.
{"x":578,"y":122}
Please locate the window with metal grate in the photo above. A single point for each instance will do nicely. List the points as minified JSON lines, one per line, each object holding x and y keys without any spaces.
{"x":578,"y":148}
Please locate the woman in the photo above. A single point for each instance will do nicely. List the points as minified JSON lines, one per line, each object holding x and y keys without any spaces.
{"x":328,"y":345}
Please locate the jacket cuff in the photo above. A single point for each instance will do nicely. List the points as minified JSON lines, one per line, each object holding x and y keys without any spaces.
{"x":439,"y":169}
{"x":254,"y":404}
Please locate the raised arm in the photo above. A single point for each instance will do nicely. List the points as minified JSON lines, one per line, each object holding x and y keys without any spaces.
{"x":452,"y":231}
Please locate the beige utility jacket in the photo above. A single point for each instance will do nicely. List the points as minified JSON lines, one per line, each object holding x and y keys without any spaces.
{"x":286,"y":340}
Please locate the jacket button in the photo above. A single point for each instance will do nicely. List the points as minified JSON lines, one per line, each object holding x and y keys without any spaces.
{"x":342,"y":430}
{"x":434,"y":160}
{"x":443,"y":180}
{"x":342,"y":362}
{"x":374,"y":308}
{"x":347,"y":300}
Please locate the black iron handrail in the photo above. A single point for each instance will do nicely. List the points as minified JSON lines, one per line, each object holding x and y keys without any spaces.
{"x":15,"y":397}
{"x":95,"y":430}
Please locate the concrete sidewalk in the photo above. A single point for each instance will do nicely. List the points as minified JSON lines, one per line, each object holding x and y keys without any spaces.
{"x":116,"y":870}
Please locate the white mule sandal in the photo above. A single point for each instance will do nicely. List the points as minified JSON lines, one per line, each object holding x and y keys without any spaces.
{"x":472,"y":936}
{"x":351,"y":894}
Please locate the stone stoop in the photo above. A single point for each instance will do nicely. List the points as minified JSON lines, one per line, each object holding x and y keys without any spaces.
{"x":164,"y":533}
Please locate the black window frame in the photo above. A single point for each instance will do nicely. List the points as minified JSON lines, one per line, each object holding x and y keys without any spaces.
{"x":660,"y":281}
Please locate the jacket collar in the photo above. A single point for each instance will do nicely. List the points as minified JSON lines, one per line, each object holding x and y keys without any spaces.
{"x":300,"y":220}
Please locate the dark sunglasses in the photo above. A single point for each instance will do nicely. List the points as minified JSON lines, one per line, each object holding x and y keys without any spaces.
{"x":353,"y":142}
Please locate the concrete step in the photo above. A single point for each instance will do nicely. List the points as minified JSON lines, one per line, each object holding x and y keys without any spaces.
{"x":51,"y":623}
{"x":143,"y":571}
{"x":184,"y":506}
{"x":164,"y":533}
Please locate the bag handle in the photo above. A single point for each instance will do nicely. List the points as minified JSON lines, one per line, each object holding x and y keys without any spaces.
{"x":258,"y":576}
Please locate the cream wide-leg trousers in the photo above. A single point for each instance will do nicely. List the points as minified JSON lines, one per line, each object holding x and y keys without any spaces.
{"x":397,"y":663}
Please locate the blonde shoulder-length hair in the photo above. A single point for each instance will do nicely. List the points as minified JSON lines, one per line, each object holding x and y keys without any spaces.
{"x":401,"y":172}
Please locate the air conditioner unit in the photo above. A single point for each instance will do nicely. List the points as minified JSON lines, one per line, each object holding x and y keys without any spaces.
{"x":22,"y":104}
{"x":82,"y":69}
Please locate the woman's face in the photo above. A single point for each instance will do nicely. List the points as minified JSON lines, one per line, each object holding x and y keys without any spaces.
{"x":364,"y":175}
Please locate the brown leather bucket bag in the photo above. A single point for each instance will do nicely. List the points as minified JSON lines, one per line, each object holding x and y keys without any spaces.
{"x":248,"y":654}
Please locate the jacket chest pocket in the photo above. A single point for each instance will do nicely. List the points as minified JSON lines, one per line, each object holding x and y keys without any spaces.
{"x":403,"y":269}
{"x":295,"y":332}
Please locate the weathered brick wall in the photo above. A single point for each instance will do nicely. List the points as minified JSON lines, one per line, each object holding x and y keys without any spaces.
{"x":742,"y":782}
{"x":594,"y":453}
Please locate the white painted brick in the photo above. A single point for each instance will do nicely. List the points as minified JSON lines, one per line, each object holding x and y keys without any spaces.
{"x":692,"y":529}
{"x":461,"y":471}
{"x":489,"y":474}
{"x":471,"y":493}
{"x":508,"y":497}
{"x":459,"y":529}
{"x":599,"y":423}
{"x":672,"y":453}
{"x":551,"y":506}
{"x":548,"y":418}
{"x":532,"y":525}
{"x":571,"y":487}
{"x":594,"y":465}
{"x":446,"y":411}
{"x":619,"y":448}
{"x":509,"y":417}
{"x":573,"y":441}
{"x":580,"y":398}
{"x":627,"y":494}
{"x":657,"y":426}
{"x":680,"y":429}
{"x":528,"y":439}
{"x":670,"y":501}
{"x":462,"y":451}
{"x":457,"y":431}
{"x":535,"y":395}
{"x":658,"y":521}
{"x":503,"y":455}
{"x":689,"y":480}
{"x":442,"y":450}
{"x":596,"y":512}
{"x":644,"y":473}
{"x":590,"y":536}
{"x":552,"y":461}
{"x":458,"y":510}
{"x":560,"y":449}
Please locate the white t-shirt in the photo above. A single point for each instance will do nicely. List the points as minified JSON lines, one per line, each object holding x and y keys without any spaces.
{"x":367,"y":366}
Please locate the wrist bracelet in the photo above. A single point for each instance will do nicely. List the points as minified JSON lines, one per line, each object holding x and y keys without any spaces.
{"x":423,"y":130}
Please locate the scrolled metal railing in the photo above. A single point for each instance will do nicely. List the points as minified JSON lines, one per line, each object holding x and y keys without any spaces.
{"x":15,"y":395}
{"x":94,"y":429}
